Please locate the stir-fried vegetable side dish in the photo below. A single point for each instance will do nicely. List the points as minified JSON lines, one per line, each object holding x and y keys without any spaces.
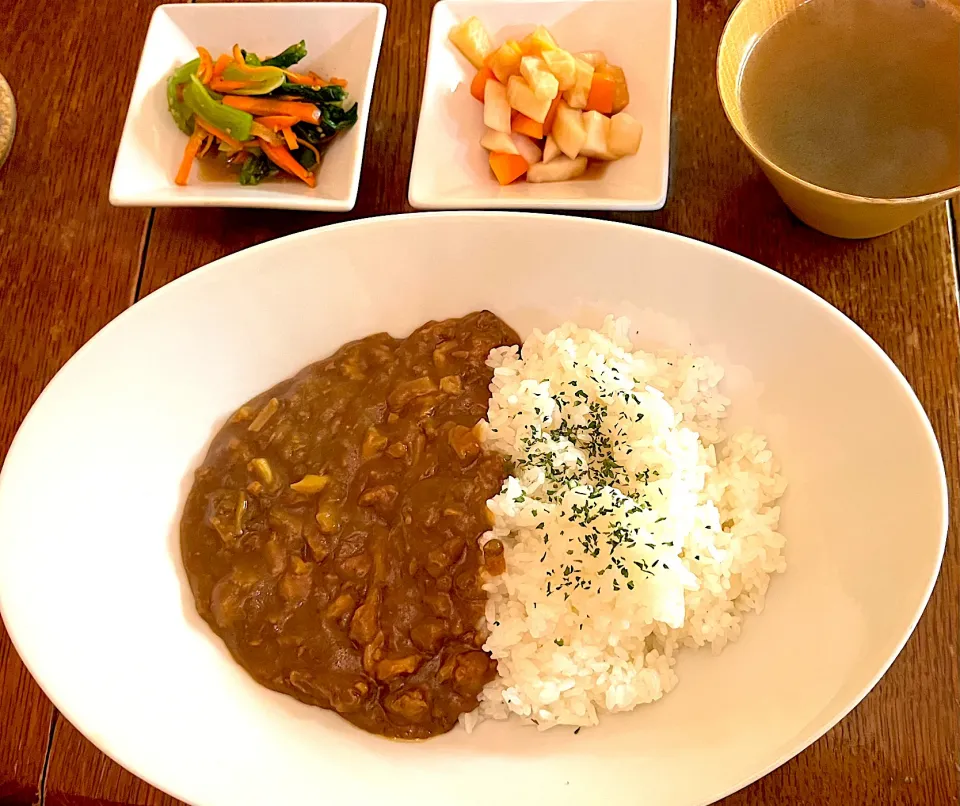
{"x":259,"y":116}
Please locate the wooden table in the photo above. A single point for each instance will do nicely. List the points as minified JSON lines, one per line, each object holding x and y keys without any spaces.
{"x":69,"y":263}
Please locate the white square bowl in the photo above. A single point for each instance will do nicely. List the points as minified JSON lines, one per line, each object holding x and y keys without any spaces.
{"x":343,"y":39}
{"x":450,"y":168}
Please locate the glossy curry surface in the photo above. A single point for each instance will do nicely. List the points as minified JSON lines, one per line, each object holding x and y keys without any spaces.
{"x":330,"y":537}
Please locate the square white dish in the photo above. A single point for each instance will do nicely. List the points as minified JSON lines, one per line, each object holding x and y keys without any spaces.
{"x":343,"y":39}
{"x":450,"y":168}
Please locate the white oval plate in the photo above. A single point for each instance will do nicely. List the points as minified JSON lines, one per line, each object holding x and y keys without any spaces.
{"x":94,"y":597}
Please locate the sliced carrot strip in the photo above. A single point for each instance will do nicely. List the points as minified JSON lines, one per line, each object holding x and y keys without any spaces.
{"x":189,"y":155}
{"x":205,"y":71}
{"x":602,"y":91}
{"x":484,"y":74}
{"x":221,"y":64}
{"x":308,"y":113}
{"x":238,"y":56}
{"x":233,"y":142}
{"x":311,"y":80}
{"x":340,"y":82}
{"x":276,"y":122}
{"x":290,"y":138}
{"x":282,"y":158}
{"x":528,"y":126}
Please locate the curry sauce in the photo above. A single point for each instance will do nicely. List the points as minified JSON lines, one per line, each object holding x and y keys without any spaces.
{"x":330,"y":537}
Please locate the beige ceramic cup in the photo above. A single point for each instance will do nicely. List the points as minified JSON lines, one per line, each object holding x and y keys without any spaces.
{"x":839,"y":214}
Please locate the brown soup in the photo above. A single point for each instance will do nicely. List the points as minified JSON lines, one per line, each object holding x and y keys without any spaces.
{"x":860,"y":96}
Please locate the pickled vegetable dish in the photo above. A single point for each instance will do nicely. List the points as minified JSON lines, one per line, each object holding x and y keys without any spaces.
{"x":546,"y":111}
{"x":259,"y":118}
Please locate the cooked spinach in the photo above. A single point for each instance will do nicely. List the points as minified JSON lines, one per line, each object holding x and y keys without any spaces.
{"x":306,"y":158}
{"x":288,"y":57}
{"x":335,"y":119}
{"x":331,"y":94}
{"x":255,"y":169}
{"x":309,"y":133}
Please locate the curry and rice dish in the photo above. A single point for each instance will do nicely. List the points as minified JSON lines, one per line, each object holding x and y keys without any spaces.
{"x":451,"y":527}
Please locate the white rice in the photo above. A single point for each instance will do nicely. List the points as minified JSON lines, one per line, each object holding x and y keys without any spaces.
{"x":656,"y":532}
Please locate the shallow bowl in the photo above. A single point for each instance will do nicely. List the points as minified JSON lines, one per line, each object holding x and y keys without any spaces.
{"x":93,"y":592}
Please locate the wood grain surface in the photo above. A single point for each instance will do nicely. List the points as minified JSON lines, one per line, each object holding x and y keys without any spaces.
{"x":74,"y":264}
{"x":68,"y":262}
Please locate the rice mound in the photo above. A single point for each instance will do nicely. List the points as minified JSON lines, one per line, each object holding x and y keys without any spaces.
{"x":632,"y":526}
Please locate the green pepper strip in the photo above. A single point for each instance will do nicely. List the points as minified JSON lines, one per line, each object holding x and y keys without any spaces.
{"x":234,"y":122}
{"x":179,"y":111}
{"x":264,"y":79}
